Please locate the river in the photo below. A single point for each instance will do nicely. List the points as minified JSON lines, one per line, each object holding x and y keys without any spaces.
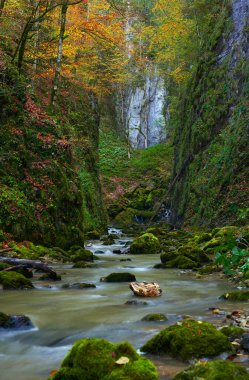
{"x":62,"y":316}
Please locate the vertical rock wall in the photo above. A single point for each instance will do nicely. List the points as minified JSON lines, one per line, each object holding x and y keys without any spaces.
{"x":144,"y":111}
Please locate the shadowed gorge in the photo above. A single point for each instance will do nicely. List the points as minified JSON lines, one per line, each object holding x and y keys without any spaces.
{"x":124,"y":239}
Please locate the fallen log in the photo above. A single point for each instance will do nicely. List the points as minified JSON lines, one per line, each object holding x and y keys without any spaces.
{"x":5,"y":250}
{"x":29,"y":264}
{"x":145,"y":289}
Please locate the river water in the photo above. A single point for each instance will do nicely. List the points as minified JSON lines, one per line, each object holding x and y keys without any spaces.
{"x":62,"y":316}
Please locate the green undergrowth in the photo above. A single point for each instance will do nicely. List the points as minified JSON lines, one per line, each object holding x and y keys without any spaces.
{"x":133,"y":186}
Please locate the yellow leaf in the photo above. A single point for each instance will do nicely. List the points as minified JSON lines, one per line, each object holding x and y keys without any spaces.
{"x":122,"y":360}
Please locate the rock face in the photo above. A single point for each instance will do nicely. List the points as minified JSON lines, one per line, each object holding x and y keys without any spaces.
{"x":212,"y":125}
{"x":98,"y":359}
{"x":144,"y":111}
{"x":189,"y":339}
{"x":145,"y":289}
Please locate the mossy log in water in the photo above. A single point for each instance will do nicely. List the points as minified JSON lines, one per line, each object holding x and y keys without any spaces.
{"x":214,"y":370}
{"x":98,"y":359}
{"x":189,"y":339}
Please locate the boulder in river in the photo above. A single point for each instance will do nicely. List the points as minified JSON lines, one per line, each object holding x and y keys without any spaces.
{"x":145,"y":244}
{"x":145,"y":289}
{"x":217,"y":369}
{"x":119,"y":277}
{"x":78,"y":285}
{"x":189,"y":339}
{"x":158,"y":317}
{"x":15,"y":321}
{"x":14,"y":280}
{"x":99,"y":359}
{"x":82,"y":255}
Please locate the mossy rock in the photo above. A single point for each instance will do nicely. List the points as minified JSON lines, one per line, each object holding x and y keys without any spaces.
{"x":240,"y":296}
{"x":119,"y":277}
{"x":15,"y":321}
{"x":95,"y":359}
{"x":214,"y":370}
{"x":145,"y":244}
{"x":82,"y":255}
{"x":49,"y":277}
{"x":4,"y":266}
{"x":81,"y":265}
{"x":157,"y":231}
{"x":93,"y":235}
{"x":25,"y":272}
{"x":189,"y":339}
{"x":232,"y":332}
{"x":182,"y":262}
{"x":226,"y":231}
{"x":213,"y":243}
{"x":74,"y":248}
{"x":14,"y":280}
{"x":155,"y":318}
{"x":108,"y":240}
{"x":201,"y":238}
{"x":168,"y":256}
{"x":208,"y":269}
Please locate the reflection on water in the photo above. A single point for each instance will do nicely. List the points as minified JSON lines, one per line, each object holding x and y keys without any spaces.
{"x":63,"y":316}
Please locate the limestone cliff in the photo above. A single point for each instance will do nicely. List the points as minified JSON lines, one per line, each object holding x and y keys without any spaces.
{"x":211,"y":141}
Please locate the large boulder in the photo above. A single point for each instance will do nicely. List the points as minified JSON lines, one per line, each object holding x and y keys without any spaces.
{"x":82,"y":255}
{"x":214,"y":370}
{"x":189,"y":339}
{"x":98,"y":359}
{"x":146,"y":243}
{"x":14,"y":280}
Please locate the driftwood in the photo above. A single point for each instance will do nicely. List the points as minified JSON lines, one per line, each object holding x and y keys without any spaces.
{"x":29,"y":264}
{"x":145,"y":289}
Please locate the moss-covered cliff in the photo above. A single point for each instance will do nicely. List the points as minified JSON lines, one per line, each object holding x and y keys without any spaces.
{"x":44,"y":164}
{"x":211,"y":139}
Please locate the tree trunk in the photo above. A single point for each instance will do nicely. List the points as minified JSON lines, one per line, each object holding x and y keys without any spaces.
{"x":59,"y":53}
{"x":2,"y":2}
{"x":30,"y":264}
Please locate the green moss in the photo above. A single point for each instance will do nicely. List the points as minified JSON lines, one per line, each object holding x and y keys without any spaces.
{"x":168,"y":256}
{"x":94,"y":359}
{"x":189,"y":339}
{"x":4,"y":266}
{"x":81,"y":264}
{"x":14,"y":280}
{"x":147,"y":243}
{"x":201,"y":238}
{"x":93,"y":235}
{"x":182,"y":262}
{"x":155,"y":317}
{"x":4,"y":320}
{"x":232,"y":332}
{"x":82,"y":255}
{"x":236,"y":296}
{"x":214,"y":370}
{"x":120,"y":277}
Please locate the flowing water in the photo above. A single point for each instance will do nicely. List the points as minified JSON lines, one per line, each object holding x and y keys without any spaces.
{"x":62,"y":316}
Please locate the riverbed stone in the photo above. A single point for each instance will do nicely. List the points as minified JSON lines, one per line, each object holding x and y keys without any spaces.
{"x":145,"y":244}
{"x":79,"y":285}
{"x":158,"y":317}
{"x":214,"y":370}
{"x":119,"y":277}
{"x":14,"y":280}
{"x":15,"y":321}
{"x":245,"y":341}
{"x":189,"y":339}
{"x":232,"y":332}
{"x":99,"y":359}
